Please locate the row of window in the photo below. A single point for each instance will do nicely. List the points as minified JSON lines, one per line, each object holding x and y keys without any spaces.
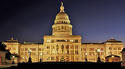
{"x":26,"y":53}
{"x":52,"y":41}
{"x":32,"y":49}
{"x":57,"y":58}
{"x":92,"y":49}
{"x":102,"y":53}
{"x":110,"y":48}
{"x":11,"y":48}
{"x":25,"y":59}
{"x":119,"y":48}
{"x":62,"y":47}
{"x":63,"y":52}
{"x":115,"y":52}
{"x":93,"y":53}
{"x":61,"y":28}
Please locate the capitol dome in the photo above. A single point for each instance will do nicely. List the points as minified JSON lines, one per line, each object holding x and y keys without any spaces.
{"x":62,"y":17}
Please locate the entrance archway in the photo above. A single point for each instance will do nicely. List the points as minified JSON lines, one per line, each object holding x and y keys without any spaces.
{"x":62,"y":59}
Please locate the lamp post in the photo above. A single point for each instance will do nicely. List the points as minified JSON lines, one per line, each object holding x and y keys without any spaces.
{"x":86,"y":57}
{"x":40,"y":57}
{"x":30,"y":60}
{"x":98,"y":52}
{"x":23,"y":59}
{"x":13,"y":57}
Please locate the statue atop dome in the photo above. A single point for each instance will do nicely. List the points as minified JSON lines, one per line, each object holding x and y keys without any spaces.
{"x":62,"y":7}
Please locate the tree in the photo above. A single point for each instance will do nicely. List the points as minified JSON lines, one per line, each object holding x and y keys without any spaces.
{"x":3,"y":48}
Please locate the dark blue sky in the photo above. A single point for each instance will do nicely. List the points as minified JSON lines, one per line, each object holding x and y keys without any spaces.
{"x":94,"y":20}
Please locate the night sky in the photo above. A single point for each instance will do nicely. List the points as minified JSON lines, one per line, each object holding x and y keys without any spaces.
{"x":94,"y":20}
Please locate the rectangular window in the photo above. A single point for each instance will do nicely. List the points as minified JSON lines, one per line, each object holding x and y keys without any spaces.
{"x":33,"y":49}
{"x":76,"y":52}
{"x":84,"y":49}
{"x":48,"y":41}
{"x":67,"y":51}
{"x":101,"y":49}
{"x":48,"y":52}
{"x":14,"y":48}
{"x":52,"y":41}
{"x":110,"y":48}
{"x":72,"y":58}
{"x":48,"y":58}
{"x":64,"y":27}
{"x":21,"y":53}
{"x":48,"y":47}
{"x":52,"y":58}
{"x":22,"y":49}
{"x":115,"y":48}
{"x":68,"y":40}
{"x":76,"y":41}
{"x":67,"y":47}
{"x":91,"y":53}
{"x":72,"y":52}
{"x":26,"y":49}
{"x":26,"y":53}
{"x":67,"y":58}
{"x":119,"y":48}
{"x":71,"y":40}
{"x":52,"y":47}
{"x":72,"y":47}
{"x":76,"y":47}
{"x":61,"y":40}
{"x":115,"y":52}
{"x":39,"y":49}
{"x":91,"y":49}
{"x":102,"y":53}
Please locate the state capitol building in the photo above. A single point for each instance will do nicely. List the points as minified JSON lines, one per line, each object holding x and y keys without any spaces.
{"x":62,"y":46}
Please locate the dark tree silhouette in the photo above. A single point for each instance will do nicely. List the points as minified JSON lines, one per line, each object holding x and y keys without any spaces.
{"x":3,"y":48}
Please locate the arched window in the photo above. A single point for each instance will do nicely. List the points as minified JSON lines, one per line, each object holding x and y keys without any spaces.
{"x":62,"y":59}
{"x":58,"y":27}
{"x":72,"y":47}
{"x":67,"y":47}
{"x":61,"y":27}
{"x":64,"y":27}
{"x":62,"y":47}
{"x":76,"y":47}
{"x":57,"y":47}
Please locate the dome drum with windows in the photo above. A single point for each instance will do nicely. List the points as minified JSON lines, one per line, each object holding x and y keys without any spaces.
{"x":62,"y":24}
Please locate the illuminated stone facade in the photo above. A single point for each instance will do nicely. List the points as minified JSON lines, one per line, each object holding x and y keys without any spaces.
{"x":111,"y":46}
{"x":36,"y":51}
{"x":12,"y":46}
{"x":62,"y":46}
